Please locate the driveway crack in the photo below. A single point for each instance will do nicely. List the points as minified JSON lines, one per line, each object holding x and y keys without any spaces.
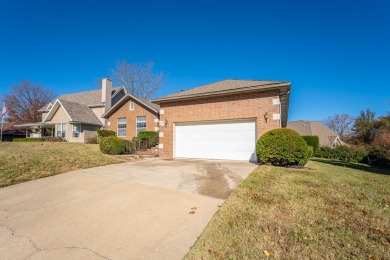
{"x":13,"y":233}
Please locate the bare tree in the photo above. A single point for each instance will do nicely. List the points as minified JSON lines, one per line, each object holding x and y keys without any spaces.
{"x":138,"y":79}
{"x":340,"y":123}
{"x":25,"y":99}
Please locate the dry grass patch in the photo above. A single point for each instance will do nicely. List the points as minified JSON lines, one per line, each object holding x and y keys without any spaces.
{"x":325,"y":212}
{"x":20,"y":162}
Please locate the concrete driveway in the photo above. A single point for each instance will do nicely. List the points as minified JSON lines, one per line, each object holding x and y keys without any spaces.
{"x":149,"y":209}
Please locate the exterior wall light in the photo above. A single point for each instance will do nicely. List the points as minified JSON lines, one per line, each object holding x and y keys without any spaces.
{"x":166,"y":122}
{"x":266,"y":117}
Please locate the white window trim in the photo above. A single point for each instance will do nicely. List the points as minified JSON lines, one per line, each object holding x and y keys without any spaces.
{"x":131,"y":105}
{"x":136,"y":124}
{"x":62,"y":129}
{"x":117,"y":127}
{"x":73,"y":132}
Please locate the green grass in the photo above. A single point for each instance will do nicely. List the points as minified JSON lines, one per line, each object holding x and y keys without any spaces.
{"x":331,"y":210}
{"x":20,"y":162}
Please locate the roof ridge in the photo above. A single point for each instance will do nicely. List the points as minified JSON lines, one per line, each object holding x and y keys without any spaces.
{"x":99,"y":89}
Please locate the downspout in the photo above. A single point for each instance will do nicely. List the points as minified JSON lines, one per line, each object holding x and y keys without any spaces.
{"x":280,"y":107}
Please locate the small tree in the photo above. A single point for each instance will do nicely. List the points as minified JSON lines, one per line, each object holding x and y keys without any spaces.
{"x":138,"y":79}
{"x":25,"y":99}
{"x":340,"y":123}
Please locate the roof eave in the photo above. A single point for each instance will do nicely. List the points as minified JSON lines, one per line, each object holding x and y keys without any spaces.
{"x":85,"y":123}
{"x":277,"y":86}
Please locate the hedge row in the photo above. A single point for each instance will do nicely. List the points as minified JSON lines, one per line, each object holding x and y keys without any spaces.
{"x":28,"y":140}
{"x":343,"y":153}
{"x":40,"y":139}
{"x":375,"y":155}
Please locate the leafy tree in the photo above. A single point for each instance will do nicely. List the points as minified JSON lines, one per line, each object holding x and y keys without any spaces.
{"x":340,"y":123}
{"x":366,"y":126}
{"x":138,"y":79}
{"x":25,"y":99}
{"x":382,"y":136}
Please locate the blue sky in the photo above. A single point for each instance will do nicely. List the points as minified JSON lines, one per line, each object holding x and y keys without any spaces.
{"x":336,"y":54}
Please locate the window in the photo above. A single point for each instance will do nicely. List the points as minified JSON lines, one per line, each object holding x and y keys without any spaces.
{"x":141,"y":124}
{"x":61,"y":130}
{"x":131,"y":106}
{"x":76,"y":131}
{"x":121,"y":126}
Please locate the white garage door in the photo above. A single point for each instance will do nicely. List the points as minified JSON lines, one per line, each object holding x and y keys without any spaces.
{"x":231,"y":140}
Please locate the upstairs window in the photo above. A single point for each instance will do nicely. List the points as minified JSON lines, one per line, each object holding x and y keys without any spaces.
{"x":141,"y":124}
{"x":131,"y":106}
{"x":121,"y":126}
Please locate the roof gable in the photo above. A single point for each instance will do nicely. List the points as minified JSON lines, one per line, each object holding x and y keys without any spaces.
{"x":76,"y":112}
{"x":303,"y":127}
{"x":146,"y":103}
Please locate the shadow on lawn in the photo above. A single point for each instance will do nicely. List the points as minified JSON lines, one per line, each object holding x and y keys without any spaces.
{"x":356,"y":166}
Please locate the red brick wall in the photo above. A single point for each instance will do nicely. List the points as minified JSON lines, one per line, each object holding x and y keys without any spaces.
{"x":131,"y":128}
{"x":249,"y":105}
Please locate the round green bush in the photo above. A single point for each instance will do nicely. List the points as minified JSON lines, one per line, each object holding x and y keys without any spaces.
{"x":112,"y":145}
{"x":283,"y":147}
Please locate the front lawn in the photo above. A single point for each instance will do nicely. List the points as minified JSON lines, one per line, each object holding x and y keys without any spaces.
{"x":332,"y":210}
{"x":20,"y":162}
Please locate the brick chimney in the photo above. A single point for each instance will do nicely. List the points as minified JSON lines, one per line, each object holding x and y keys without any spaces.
{"x":106,"y":93}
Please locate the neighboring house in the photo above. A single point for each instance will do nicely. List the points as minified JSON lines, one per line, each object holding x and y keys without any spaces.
{"x":76,"y":117}
{"x":328,"y":138}
{"x":131,"y":115}
{"x":222,"y":120}
{"x":10,"y":131}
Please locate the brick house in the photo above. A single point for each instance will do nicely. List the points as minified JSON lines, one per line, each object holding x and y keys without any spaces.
{"x":131,"y":115}
{"x":222,"y":120}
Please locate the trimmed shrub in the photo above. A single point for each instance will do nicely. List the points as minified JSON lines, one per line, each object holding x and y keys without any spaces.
{"x":342,"y":153}
{"x":112,"y":145}
{"x":283,"y":147}
{"x":313,"y":141}
{"x":28,"y":139}
{"x":150,"y":136}
{"x":92,"y":140}
{"x":105,"y":133}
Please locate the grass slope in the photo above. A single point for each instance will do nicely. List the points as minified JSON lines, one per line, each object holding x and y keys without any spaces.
{"x":20,"y":162}
{"x":332,"y":210}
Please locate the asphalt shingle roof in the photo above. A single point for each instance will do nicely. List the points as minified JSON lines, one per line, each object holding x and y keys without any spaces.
{"x":92,"y":97}
{"x":80,"y":113}
{"x":224,"y":85}
{"x":302,"y":127}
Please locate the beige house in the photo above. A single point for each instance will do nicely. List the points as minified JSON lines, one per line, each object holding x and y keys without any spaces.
{"x":328,"y":138}
{"x":77,"y":116}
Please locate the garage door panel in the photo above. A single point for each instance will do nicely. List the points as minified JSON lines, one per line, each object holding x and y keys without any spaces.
{"x":219,"y":140}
